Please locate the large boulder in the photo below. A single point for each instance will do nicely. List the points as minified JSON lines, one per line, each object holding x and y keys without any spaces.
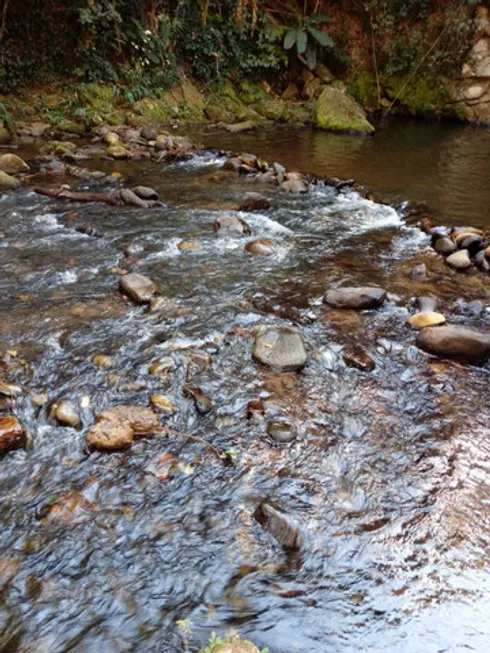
{"x":280,"y":347}
{"x":339,"y":112}
{"x":356,"y":297}
{"x":12,"y":435}
{"x":12,"y":164}
{"x":458,"y":343}
{"x":140,"y":288}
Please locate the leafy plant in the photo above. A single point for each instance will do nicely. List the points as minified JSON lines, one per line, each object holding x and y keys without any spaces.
{"x":308,"y":38}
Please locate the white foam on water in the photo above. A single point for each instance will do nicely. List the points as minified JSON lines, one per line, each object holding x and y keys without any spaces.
{"x":264,"y":224}
{"x":48,"y":221}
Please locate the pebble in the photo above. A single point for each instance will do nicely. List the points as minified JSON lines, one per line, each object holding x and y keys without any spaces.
{"x":103,"y":361}
{"x":282,"y":431}
{"x":145,"y":193}
{"x":356,"y":357}
{"x":445,"y":245}
{"x":66,"y":414}
{"x":162,"y":366}
{"x":426,"y":319}
{"x":260,"y":247}
{"x":459,"y":260}
{"x":163,"y":404}
{"x":204,"y":404}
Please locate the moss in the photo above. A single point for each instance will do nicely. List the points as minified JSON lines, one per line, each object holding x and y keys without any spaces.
{"x":337,"y":111}
{"x":420,"y":96}
{"x":252,"y":92}
{"x":362,"y":86}
{"x":71,"y":127}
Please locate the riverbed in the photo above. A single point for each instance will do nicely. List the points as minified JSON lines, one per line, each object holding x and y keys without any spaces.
{"x":388,"y":478}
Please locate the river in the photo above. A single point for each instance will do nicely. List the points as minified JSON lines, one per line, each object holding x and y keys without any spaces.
{"x":388,"y":479}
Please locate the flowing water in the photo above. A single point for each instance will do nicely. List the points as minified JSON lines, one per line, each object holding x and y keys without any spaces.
{"x":388,"y":480}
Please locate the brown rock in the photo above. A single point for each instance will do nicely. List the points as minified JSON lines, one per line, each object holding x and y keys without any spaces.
{"x":260,"y":247}
{"x":355,"y":356}
{"x":12,"y":164}
{"x":142,"y":420}
{"x":231,"y":224}
{"x":12,"y":435}
{"x":455,"y":342}
{"x":109,"y":435}
{"x":358,"y":298}
{"x":66,"y":414}
{"x":204,"y":404}
{"x":254,"y":203}
{"x":445,"y":245}
{"x":140,"y":288}
{"x":280,"y":347}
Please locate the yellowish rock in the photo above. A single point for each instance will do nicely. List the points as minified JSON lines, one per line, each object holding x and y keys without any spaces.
{"x":103,"y":361}
{"x":163,"y":404}
{"x":426,"y":319}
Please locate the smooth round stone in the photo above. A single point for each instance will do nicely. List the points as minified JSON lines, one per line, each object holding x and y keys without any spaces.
{"x":472,"y":243}
{"x":12,"y":164}
{"x":145,"y":193}
{"x":130,"y":198}
{"x":12,"y":435}
{"x":280,"y":347}
{"x":426,"y":319}
{"x":260,"y":247}
{"x":282,"y":431}
{"x":482,"y":261}
{"x":459,"y":260}
{"x":140,"y":288}
{"x":445,"y":245}
{"x":67,"y":414}
{"x":231,"y":224}
{"x":455,"y":342}
{"x":163,"y":404}
{"x":162,"y":366}
{"x":356,"y":297}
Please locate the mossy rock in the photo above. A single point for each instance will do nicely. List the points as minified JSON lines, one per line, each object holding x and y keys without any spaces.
{"x":59,"y":148}
{"x":423,"y":96}
{"x":153,"y":110}
{"x":96,"y":95}
{"x":252,"y":92}
{"x":217,"y":113}
{"x":71,"y":127}
{"x":364,"y":89}
{"x":337,"y":111}
{"x":298,"y":113}
{"x":4,"y":135}
{"x":273,"y":109}
{"x":7,"y":182}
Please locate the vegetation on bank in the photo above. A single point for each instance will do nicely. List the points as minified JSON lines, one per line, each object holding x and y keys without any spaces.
{"x":127,"y":52}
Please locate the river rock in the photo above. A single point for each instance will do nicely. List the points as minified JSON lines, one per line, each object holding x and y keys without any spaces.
{"x":254,"y":203}
{"x":473,"y":243}
{"x":482,"y":261}
{"x":12,"y":164}
{"x":260,"y":247}
{"x":337,"y":111}
{"x":294,"y":185}
{"x":280,"y":526}
{"x":111,"y":138}
{"x":142,"y":420}
{"x":130,"y":198}
{"x":12,"y":435}
{"x":458,"y":343}
{"x":162,"y":366}
{"x":8,"y":182}
{"x":419,"y":272}
{"x":280,"y":347}
{"x":231,"y":224}
{"x":66,"y":414}
{"x":140,"y":288}
{"x":117,"y":152}
{"x":282,"y":431}
{"x":356,"y":297}
{"x":204,"y":404}
{"x":445,"y":245}
{"x":109,"y":435}
{"x":162,"y":404}
{"x":149,"y":133}
{"x":355,"y":356}
{"x":145,"y":193}
{"x":426,"y":319}
{"x":238,"y":128}
{"x":459,"y":260}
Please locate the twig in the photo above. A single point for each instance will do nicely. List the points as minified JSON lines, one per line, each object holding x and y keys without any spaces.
{"x":195,"y":438}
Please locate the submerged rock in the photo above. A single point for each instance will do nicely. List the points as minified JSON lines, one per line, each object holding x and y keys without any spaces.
{"x":280,"y":347}
{"x":260,"y":247}
{"x":109,"y":435}
{"x":426,"y":319}
{"x":7,"y":182}
{"x":142,"y":420}
{"x":458,"y":343}
{"x":419,"y":272}
{"x":12,"y":164}
{"x":231,"y":224}
{"x":66,"y":414}
{"x":282,"y":431}
{"x":358,"y":298}
{"x":140,"y":288}
{"x":337,"y":111}
{"x":294,"y":185}
{"x":459,"y":260}
{"x":12,"y":435}
{"x":279,"y":525}
{"x":254,"y":203}
{"x":355,"y":356}
{"x":204,"y":404}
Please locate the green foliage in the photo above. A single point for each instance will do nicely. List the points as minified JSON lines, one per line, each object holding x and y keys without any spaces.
{"x":424,"y":95}
{"x":308,"y":38}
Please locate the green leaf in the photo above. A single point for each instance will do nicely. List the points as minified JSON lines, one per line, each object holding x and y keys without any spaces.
{"x":311,"y":56}
{"x":301,"y":42}
{"x":289,"y":39}
{"x":324,"y":39}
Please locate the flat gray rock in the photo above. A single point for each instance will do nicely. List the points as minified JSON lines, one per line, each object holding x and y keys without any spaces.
{"x":455,"y":342}
{"x":280,"y":347}
{"x":356,"y":297}
{"x":459,"y":260}
{"x":138,"y":287}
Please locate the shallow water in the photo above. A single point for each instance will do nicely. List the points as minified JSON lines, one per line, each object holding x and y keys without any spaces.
{"x":389,"y":477}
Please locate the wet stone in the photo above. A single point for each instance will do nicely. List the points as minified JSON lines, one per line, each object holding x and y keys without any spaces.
{"x":355,"y":356}
{"x":204,"y":404}
{"x":473,"y":243}
{"x":162,"y":404}
{"x":455,"y":342}
{"x":445,"y":245}
{"x":140,"y":288}
{"x":142,"y":420}
{"x":254,"y":203}
{"x":356,"y":297}
{"x":280,"y":526}
{"x":231,"y":224}
{"x":282,"y":431}
{"x":12,"y":435}
{"x":482,"y":261}
{"x":294,"y":185}
{"x":426,"y":303}
{"x":255,"y":409}
{"x":66,"y":414}
{"x":459,"y":260}
{"x":426,"y":319}
{"x":130,"y":198}
{"x":260,"y":247}
{"x":145,"y":193}
{"x":109,"y":435}
{"x":12,"y":164}
{"x":280,"y":347}
{"x":162,"y":366}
